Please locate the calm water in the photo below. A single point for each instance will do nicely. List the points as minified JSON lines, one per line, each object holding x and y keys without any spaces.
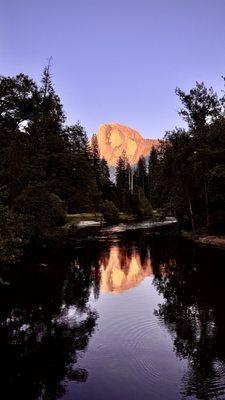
{"x":122,"y":316}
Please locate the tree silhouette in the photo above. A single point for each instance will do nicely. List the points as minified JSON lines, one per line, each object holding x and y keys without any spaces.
{"x":193,"y":314}
{"x":45,"y":323}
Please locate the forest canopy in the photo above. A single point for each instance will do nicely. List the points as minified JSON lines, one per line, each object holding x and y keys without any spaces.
{"x":49,"y":169}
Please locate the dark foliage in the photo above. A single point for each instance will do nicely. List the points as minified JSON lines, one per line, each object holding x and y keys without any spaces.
{"x":110,"y":212}
{"x":189,"y":168}
{"x":46,"y":167}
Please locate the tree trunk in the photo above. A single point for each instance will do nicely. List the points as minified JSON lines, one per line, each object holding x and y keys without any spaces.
{"x":190,"y":210}
{"x":206,"y":203}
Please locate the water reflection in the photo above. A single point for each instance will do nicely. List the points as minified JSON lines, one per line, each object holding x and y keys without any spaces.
{"x":193,"y":311}
{"x":47,"y":320}
{"x":44,"y":327}
{"x":122,"y":269}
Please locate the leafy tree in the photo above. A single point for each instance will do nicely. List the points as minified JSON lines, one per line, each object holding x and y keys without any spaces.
{"x":45,"y":210}
{"x":190,"y":160}
{"x":43,"y":163}
{"x":201,"y":106}
{"x":177,"y":166}
{"x":17,"y":108}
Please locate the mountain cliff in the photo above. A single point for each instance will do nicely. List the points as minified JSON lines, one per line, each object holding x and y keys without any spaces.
{"x":114,"y":139}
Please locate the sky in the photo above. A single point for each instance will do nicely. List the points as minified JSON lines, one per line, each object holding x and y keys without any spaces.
{"x":117,"y":60}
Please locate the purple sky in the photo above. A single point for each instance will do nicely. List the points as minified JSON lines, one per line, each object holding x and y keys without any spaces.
{"x":117,"y":60}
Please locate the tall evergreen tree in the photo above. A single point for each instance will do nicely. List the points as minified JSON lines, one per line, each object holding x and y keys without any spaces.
{"x":122,"y":183}
{"x":140,"y":176}
{"x":83,"y":189}
{"x":153,"y":178}
{"x":96,"y":160}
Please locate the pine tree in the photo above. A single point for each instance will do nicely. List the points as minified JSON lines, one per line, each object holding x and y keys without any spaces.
{"x":84,"y":193}
{"x":140,"y":176}
{"x":153,"y":177}
{"x":96,"y":160}
{"x":122,"y":183}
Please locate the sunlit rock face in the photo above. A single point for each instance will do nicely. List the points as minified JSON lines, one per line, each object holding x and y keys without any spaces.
{"x":114,"y":139}
{"x":121,"y":271}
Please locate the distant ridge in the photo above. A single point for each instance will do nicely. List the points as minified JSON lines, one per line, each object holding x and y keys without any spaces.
{"x":114,"y":139}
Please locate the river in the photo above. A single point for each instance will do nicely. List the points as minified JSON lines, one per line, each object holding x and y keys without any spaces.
{"x":123,"y":315}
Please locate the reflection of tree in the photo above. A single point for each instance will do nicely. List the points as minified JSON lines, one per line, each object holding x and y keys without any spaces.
{"x":193,"y":313}
{"x":44,"y":322}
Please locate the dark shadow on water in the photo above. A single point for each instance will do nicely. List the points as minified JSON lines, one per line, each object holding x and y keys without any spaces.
{"x":192,"y":281}
{"x":46,"y":319}
{"x":45,"y":324}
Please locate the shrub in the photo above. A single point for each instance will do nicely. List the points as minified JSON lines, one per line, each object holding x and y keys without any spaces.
{"x":110,"y":212}
{"x":45,"y":210}
{"x":13,"y":236}
{"x":141,"y":205}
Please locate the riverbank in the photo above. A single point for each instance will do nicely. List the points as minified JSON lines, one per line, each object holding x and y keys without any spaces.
{"x":96,"y":219}
{"x":93,"y":219}
{"x":95,"y":222}
{"x":216,"y":241}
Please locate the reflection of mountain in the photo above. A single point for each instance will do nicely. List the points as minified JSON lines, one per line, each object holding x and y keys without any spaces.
{"x":122,"y":271}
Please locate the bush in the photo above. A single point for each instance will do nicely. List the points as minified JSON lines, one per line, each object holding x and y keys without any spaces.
{"x":110,"y":212}
{"x":141,"y":206}
{"x":12,"y":238}
{"x":45,"y":210}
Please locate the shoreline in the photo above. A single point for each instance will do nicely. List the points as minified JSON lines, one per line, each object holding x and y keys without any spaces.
{"x":205,"y":240}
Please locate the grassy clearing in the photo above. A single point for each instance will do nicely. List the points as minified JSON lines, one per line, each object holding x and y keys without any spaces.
{"x":74,"y":219}
{"x":123,"y":217}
